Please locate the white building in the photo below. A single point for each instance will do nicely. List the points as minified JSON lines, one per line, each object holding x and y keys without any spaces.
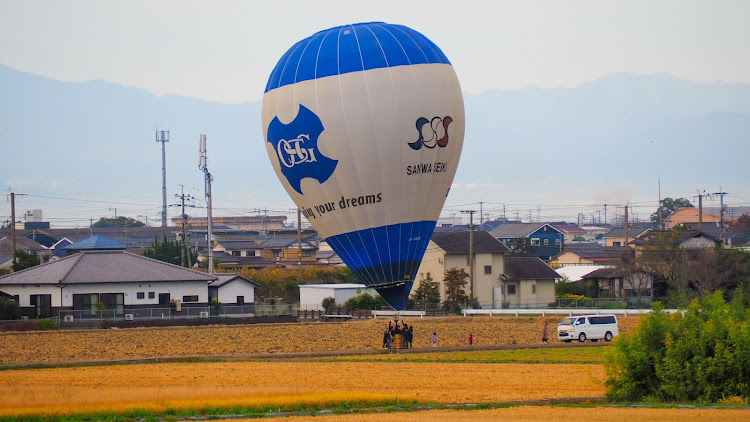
{"x":117,"y":280}
{"x":233,"y":289}
{"x":311,"y":295}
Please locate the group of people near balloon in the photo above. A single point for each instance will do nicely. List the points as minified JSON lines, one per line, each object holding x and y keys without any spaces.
{"x":405,"y":331}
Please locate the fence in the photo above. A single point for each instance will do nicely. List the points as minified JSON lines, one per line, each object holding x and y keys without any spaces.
{"x":236,"y":311}
{"x":552,"y":311}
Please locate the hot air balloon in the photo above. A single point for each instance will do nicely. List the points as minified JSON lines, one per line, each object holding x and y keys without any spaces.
{"x":364,"y":126}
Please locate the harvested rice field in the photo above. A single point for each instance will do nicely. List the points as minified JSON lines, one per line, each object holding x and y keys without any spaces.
{"x":227,"y":341}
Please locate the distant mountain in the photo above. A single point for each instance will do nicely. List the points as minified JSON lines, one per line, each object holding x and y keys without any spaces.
{"x":618,"y":133}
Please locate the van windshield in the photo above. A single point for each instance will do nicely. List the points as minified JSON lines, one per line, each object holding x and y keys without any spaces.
{"x":568,"y":321}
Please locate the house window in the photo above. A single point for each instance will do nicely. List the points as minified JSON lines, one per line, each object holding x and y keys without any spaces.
{"x":306,"y":254}
{"x":164,"y":298}
{"x":140,"y":295}
{"x":278,"y":254}
{"x":487,"y":269}
{"x":192,"y":298}
{"x":557,"y":242}
{"x":17,"y":298}
{"x":240,"y":300}
{"x":250,"y":253}
{"x":88,"y":302}
{"x":616,"y":243}
{"x":534,"y":242}
{"x":151,"y":295}
{"x":546,"y":242}
{"x":511,"y":289}
{"x":533,"y":289}
{"x":116,"y":302}
{"x":236,"y":253}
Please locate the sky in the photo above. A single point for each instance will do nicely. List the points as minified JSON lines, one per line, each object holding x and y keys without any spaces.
{"x":224,"y":50}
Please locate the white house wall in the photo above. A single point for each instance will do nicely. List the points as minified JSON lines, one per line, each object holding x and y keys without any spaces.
{"x":311,"y":298}
{"x":228,"y":293}
{"x":176,"y":290}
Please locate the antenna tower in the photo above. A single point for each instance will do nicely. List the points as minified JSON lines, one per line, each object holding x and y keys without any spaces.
{"x":163,"y":137}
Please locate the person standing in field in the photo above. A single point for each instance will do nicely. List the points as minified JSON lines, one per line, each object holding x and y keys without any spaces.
{"x":471,"y":339}
{"x":545,"y":332}
{"x":434,"y":339}
{"x":386,"y":341}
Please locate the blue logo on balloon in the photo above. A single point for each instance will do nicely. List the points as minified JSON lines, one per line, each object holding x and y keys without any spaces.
{"x":296,"y":145}
{"x":436,"y":134}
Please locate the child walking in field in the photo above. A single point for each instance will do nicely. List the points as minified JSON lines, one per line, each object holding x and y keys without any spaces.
{"x":434,"y":339}
{"x":471,"y":340}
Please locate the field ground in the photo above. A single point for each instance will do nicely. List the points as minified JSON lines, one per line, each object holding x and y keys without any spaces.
{"x":326,"y":378}
{"x":243,"y":340}
{"x":538,"y":414}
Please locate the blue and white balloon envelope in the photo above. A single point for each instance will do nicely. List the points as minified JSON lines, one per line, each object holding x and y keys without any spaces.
{"x":364,"y":126}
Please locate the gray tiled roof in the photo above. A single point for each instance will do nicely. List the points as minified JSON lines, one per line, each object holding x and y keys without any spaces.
{"x":528,"y":267}
{"x":458,"y":242}
{"x":104,"y":267}
{"x":633,"y":231}
{"x":518,"y":229}
{"x":595,"y":250}
{"x":225,"y":278}
{"x":234,"y":245}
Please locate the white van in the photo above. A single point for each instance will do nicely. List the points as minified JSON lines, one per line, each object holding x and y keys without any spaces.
{"x":591,"y":327}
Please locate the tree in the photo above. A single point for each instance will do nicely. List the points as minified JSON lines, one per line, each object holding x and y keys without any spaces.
{"x":364,"y":301}
{"x":668,"y":206}
{"x":168,"y":250}
{"x":427,"y":292}
{"x":9,"y":309}
{"x":284,"y":282}
{"x":455,"y":280}
{"x":329,"y":304}
{"x":522,"y":247}
{"x":741,"y":225}
{"x":120,"y":221}
{"x":25,"y":260}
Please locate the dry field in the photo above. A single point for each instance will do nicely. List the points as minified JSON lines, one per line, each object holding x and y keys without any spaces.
{"x":539,"y":414}
{"x":219,"y":340}
{"x":118,"y":388}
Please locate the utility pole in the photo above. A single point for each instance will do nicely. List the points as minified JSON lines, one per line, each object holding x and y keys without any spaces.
{"x":626,"y":225}
{"x":299,"y":237}
{"x":471,"y":256}
{"x":721,"y":194}
{"x":203,"y":165}
{"x":13,"y":225}
{"x":700,"y":213}
{"x":185,"y":239}
{"x":163,"y":137}
{"x":606,"y":226}
{"x":660,"y":226}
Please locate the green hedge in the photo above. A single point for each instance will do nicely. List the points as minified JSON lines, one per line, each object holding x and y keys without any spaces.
{"x":699,"y":355}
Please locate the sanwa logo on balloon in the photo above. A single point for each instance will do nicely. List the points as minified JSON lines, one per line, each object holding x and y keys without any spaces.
{"x":432,"y":132}
{"x":296,"y":146}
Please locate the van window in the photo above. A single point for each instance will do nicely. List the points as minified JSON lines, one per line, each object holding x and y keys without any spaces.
{"x":581,"y":321}
{"x":568,"y":321}
{"x":606,"y":319}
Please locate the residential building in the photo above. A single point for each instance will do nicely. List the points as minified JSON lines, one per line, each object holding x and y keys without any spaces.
{"x":688,"y":215}
{"x":96,"y":242}
{"x":616,"y":236}
{"x":285,"y":251}
{"x":245,"y":222}
{"x":617,"y":284}
{"x":498,"y":276}
{"x":232,"y":289}
{"x":588,"y":254}
{"x":546,"y":240}
{"x":527,"y":282}
{"x":237,"y":247}
{"x":117,"y":280}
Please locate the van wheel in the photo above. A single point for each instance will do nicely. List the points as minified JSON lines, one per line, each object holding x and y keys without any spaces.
{"x":608,"y":336}
{"x":582,"y":337}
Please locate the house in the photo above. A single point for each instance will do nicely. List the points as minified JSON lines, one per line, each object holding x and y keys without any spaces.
{"x":498,"y":276}
{"x":231,"y":288}
{"x":311,"y":295}
{"x":237,"y":247}
{"x":245,"y":222}
{"x":615,"y":283}
{"x":57,"y":248}
{"x":96,"y":242}
{"x":689,"y":215}
{"x":23,"y":244}
{"x":527,"y":282}
{"x":117,"y":280}
{"x":684,"y":239}
{"x":616,"y":236}
{"x":233,"y":262}
{"x":588,"y":254}
{"x":546,"y":240}
{"x":449,"y":250}
{"x":570,"y":231}
{"x":285,"y":251}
